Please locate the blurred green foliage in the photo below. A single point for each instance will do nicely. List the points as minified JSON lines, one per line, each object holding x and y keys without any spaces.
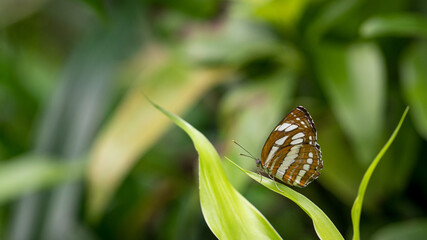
{"x":84,"y":156}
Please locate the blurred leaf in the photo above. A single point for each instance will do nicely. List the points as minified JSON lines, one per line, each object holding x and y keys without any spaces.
{"x":357,"y":206}
{"x":413,"y":230}
{"x":409,"y":145}
{"x":37,"y":74}
{"x":228,"y":214}
{"x":31,"y":173}
{"x":136,"y":126}
{"x":186,"y":219}
{"x":283,"y":13}
{"x":12,"y":11}
{"x":328,"y":17}
{"x":78,"y":107}
{"x":237,"y":42}
{"x":194,"y":8}
{"x":341,"y":172}
{"x":98,"y":6}
{"x":19,"y":102}
{"x":353,"y":79}
{"x":342,"y":19}
{"x":324,"y":227}
{"x":413,"y":69}
{"x":248,"y":114}
{"x":397,"y":24}
{"x":400,"y":160}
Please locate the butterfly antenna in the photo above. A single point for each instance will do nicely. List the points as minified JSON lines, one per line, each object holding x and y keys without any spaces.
{"x":244,"y":155}
{"x":251,"y":156}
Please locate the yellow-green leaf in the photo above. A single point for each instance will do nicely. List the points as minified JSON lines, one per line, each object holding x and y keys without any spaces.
{"x":357,"y":206}
{"x":324,"y":227}
{"x":228,"y":214}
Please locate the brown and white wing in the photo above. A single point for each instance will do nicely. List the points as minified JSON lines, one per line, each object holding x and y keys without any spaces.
{"x":298,"y":165}
{"x":291,"y":152}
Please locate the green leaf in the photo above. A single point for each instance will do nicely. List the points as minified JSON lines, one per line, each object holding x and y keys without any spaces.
{"x":400,"y":24}
{"x":228,"y":214}
{"x":413,"y":229}
{"x":413,"y":70}
{"x":324,"y":227}
{"x":353,"y":78}
{"x":31,"y":173}
{"x":357,"y":206}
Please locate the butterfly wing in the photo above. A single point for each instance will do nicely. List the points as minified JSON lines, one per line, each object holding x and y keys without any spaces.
{"x":298,"y":165}
{"x":291,"y":152}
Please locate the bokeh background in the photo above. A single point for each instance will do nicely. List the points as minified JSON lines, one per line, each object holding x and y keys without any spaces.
{"x":83,"y":155}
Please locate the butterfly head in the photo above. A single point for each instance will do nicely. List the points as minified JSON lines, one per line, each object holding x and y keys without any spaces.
{"x":258,"y":162}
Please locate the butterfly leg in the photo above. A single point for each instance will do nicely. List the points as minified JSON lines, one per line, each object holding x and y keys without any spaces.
{"x":275,"y":183}
{"x":260,"y":174}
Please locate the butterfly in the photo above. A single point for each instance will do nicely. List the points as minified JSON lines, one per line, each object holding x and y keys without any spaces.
{"x":291,"y":152}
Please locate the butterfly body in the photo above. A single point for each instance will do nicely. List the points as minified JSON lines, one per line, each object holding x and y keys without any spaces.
{"x":291,"y":153}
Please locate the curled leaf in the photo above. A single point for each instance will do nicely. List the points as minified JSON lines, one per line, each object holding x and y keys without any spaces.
{"x":228,"y":214}
{"x":324,"y":227}
{"x":357,"y":206}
